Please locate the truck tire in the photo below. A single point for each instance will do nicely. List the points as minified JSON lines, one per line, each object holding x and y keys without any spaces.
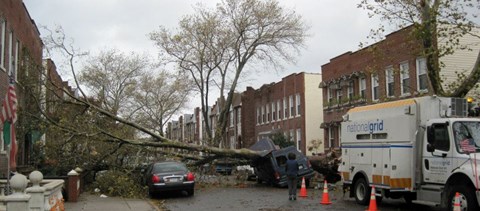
{"x":468,"y":200}
{"x":361,"y":191}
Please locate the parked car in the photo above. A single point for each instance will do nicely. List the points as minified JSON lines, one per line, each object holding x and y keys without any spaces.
{"x":169,"y":176}
{"x":270,"y":167}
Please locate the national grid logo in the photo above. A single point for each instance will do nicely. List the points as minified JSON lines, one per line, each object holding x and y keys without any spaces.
{"x":370,"y":126}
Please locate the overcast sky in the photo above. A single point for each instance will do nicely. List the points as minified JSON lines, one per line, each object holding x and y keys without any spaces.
{"x":336,"y":27}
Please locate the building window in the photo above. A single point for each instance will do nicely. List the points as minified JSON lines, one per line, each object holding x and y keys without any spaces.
{"x":299,"y":139}
{"x":330,"y":137}
{"x":10,"y":53}
{"x":339,"y":134}
{"x":263,"y":114}
{"x":258,"y":116}
{"x":292,"y":107}
{"x":269,"y":116}
{"x":390,"y":81}
{"x":231,"y":118}
{"x":330,"y":94}
{"x":274,"y":112}
{"x":404,"y":78}
{"x":363,"y":87}
{"x":339,"y":95}
{"x":298,"y":104}
{"x":3,"y":26}
{"x":292,"y":135}
{"x":279,"y":110}
{"x":350,"y":90}
{"x":15,"y":65}
{"x":374,"y":87}
{"x":285,"y":108}
{"x":422,"y":82}
{"x":239,"y":114}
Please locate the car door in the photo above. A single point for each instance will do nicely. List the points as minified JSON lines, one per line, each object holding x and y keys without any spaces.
{"x":438,"y":164}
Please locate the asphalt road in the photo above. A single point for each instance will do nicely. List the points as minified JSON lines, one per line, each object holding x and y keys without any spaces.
{"x":264,"y":198}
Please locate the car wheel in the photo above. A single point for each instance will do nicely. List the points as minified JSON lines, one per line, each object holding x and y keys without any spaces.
{"x":467,"y":198}
{"x":191,"y":192}
{"x":361,"y":191}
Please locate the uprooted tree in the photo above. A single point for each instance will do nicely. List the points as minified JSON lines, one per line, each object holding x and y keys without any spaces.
{"x":108,"y":130}
{"x":439,"y":25}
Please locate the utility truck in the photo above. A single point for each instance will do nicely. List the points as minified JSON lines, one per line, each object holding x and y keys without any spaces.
{"x":423,"y":149}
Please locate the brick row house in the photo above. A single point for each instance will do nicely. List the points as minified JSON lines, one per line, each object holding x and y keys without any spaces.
{"x":391,"y":69}
{"x":291,"y":107}
{"x":20,"y":57}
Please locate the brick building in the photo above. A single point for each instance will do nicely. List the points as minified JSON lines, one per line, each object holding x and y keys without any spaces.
{"x":20,"y":57}
{"x":292,"y":107}
{"x":391,"y":69}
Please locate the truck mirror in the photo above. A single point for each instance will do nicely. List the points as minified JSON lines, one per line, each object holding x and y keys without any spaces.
{"x":430,"y":135}
{"x":430,"y":148}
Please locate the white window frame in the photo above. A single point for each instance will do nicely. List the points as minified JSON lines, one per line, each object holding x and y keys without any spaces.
{"x":279,"y":110}
{"x":330,"y":94}
{"x":263,"y":115}
{"x":330,"y":137}
{"x":292,"y":106}
{"x":422,"y":71}
{"x":292,"y":135}
{"x":404,"y":77}
{"x":298,"y":104}
{"x":299,"y":139}
{"x":285,"y":108}
{"x":339,"y":95}
{"x":10,"y":52}
{"x":375,"y":85}
{"x":259,"y":116}
{"x":350,"y":90}
{"x":340,"y":134}
{"x":274,"y":112}
{"x":267,"y":107}
{"x":3,"y":26}
{"x":17,"y":48}
{"x":389,"y":81}
{"x":239,"y":115}
{"x":362,"y":87}
{"x":231,"y":117}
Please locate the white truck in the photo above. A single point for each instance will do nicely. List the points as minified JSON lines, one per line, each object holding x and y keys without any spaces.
{"x":423,"y":149}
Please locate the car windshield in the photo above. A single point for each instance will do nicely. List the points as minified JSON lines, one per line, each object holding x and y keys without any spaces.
{"x":168,"y":167}
{"x":467,"y":136}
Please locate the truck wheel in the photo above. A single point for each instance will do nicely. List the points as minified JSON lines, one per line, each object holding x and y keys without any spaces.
{"x":468,"y":200}
{"x":361,"y":191}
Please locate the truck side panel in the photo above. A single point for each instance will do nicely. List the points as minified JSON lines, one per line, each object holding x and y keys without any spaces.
{"x":401,"y":174}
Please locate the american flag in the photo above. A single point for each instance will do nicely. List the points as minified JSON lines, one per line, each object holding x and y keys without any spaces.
{"x":8,"y":112}
{"x":466,"y":146}
{"x":9,"y":105}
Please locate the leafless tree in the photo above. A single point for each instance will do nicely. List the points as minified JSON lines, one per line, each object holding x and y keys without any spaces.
{"x":434,"y":22}
{"x":217,"y":44}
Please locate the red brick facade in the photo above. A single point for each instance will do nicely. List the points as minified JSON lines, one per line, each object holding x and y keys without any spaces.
{"x":21,"y":47}
{"x":344,"y":74}
{"x":273,"y":109}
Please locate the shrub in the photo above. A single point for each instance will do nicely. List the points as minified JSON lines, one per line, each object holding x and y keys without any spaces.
{"x":119,"y":183}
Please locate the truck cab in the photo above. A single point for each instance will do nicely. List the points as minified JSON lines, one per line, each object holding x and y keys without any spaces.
{"x":422,"y":149}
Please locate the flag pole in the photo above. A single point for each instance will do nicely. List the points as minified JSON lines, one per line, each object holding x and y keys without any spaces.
{"x":7,"y":188}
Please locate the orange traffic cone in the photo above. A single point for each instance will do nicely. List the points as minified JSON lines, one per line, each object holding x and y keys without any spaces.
{"x":373,"y":201}
{"x":456,"y":204}
{"x":303,"y":190}
{"x":325,"y":197}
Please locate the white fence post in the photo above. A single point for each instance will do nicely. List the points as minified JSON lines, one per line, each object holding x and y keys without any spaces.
{"x":18,"y":200}
{"x":36,"y":191}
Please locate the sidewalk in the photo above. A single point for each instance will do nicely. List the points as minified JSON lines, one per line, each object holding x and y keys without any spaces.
{"x":90,"y":202}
